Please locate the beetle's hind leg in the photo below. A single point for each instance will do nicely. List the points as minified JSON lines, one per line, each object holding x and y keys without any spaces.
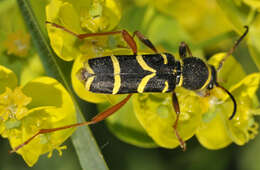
{"x":183,"y":49}
{"x":101,"y":116}
{"x":176,"y":107}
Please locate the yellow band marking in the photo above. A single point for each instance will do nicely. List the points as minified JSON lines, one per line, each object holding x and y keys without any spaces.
{"x":89,"y":69}
{"x":208,"y":80}
{"x":89,"y":82}
{"x":165,"y":60}
{"x":181,"y":77}
{"x":181,"y":81}
{"x":117,"y":77}
{"x":166,"y":87}
{"x":143,"y":64}
{"x":143,"y":82}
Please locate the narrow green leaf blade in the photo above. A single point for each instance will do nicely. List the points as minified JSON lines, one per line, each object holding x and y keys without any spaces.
{"x":85,"y":144}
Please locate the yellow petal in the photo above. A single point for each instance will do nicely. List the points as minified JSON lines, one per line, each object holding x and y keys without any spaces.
{"x":101,"y":16}
{"x":247,"y":86}
{"x":62,"y":42}
{"x":51,"y":107}
{"x":79,"y":87}
{"x":7,"y":79}
{"x":217,"y":131}
{"x":42,"y":118}
{"x":242,"y":124}
{"x":213,"y":130}
{"x":213,"y":134}
{"x":46,"y":91}
{"x":231,"y":71}
{"x":156,"y":115}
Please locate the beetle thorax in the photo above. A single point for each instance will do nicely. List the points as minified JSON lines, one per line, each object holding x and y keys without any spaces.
{"x":195,"y":73}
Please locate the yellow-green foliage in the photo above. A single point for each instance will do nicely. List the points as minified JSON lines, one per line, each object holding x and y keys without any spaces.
{"x":209,"y":27}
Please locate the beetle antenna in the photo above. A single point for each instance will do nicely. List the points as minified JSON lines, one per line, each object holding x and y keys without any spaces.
{"x":233,"y":99}
{"x":233,"y":48}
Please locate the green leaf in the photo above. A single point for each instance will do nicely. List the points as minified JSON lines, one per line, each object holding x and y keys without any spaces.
{"x":150,"y":23}
{"x":168,"y":38}
{"x":133,"y":18}
{"x":254,"y":41}
{"x":236,"y":15}
{"x":85,"y":145}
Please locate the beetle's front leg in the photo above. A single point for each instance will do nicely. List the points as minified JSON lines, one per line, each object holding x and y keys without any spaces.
{"x":145,"y":40}
{"x":126,"y":36}
{"x":183,"y":49}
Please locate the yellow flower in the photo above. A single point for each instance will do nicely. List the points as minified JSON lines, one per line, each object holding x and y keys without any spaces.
{"x":13,"y":104}
{"x":216,"y":130}
{"x":157,"y":116}
{"x":79,"y":17}
{"x":42,"y":103}
{"x":18,"y":44}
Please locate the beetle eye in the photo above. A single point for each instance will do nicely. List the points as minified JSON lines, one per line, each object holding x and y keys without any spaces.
{"x":210,"y":86}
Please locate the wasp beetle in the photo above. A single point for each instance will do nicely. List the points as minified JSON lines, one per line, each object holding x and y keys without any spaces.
{"x":157,"y":72}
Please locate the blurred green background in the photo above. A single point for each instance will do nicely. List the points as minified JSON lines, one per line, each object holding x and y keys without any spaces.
{"x":204,"y":25}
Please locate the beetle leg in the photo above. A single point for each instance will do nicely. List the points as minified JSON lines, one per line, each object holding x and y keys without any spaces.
{"x":176,"y":107}
{"x":126,"y":36}
{"x":145,"y":40}
{"x":183,"y":49}
{"x":101,"y":116}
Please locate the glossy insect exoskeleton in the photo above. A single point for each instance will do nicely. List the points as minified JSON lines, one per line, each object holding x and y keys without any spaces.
{"x":157,"y":72}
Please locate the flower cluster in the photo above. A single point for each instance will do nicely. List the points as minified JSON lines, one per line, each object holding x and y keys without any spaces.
{"x":79,"y":17}
{"x":40,"y":104}
{"x":16,"y":49}
{"x":18,"y":44}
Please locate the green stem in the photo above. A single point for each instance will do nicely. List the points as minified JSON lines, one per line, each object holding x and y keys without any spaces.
{"x":88,"y":152}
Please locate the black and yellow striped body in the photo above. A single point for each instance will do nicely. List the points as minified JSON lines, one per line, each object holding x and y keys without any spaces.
{"x":121,"y":74}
